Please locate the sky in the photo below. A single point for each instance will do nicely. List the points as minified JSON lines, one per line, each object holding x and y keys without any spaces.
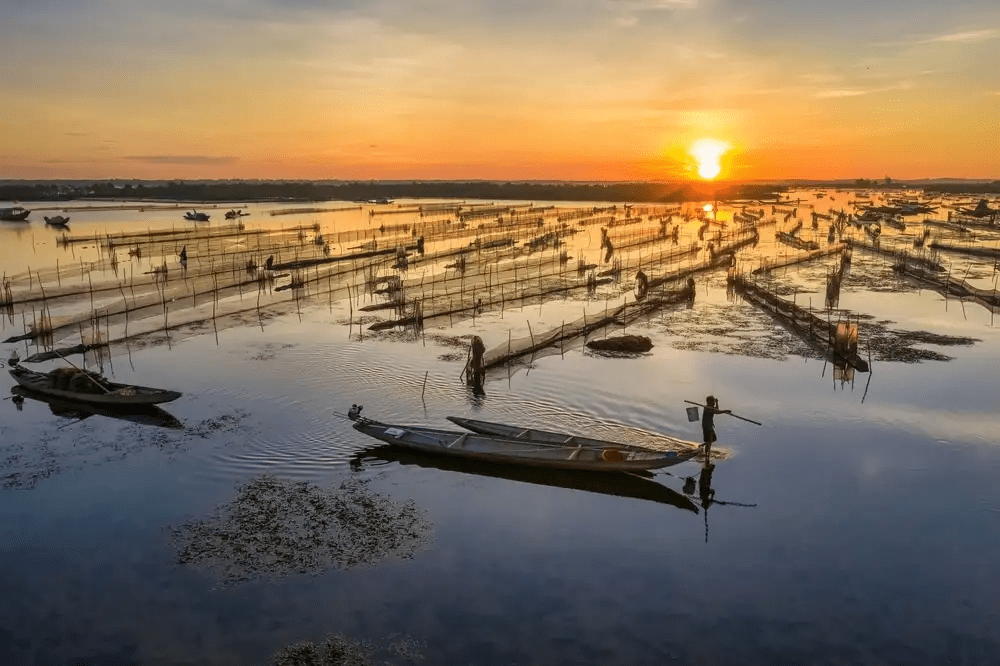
{"x":510,"y":90}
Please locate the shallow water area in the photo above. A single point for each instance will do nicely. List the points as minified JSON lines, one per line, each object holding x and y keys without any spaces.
{"x":858,"y":525}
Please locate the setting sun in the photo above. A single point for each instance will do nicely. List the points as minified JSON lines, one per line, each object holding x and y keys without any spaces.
{"x":708,"y":153}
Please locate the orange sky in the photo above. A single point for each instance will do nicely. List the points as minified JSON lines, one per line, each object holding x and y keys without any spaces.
{"x":609,"y":90}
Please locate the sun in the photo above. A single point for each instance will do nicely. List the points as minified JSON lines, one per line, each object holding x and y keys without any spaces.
{"x":708,"y":154}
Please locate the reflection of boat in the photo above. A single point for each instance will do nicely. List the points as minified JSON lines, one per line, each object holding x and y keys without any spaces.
{"x":533,"y":435}
{"x":150,"y":415}
{"x":195,"y":216}
{"x":15,"y":214}
{"x":620,"y":484}
{"x":78,"y":386}
{"x":571,"y":453}
{"x":57,"y":221}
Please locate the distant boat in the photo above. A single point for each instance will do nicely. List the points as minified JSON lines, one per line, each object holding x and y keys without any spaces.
{"x":15,"y":214}
{"x":980,"y":211}
{"x":195,"y":216}
{"x":235,"y":213}
{"x":383,"y":200}
{"x":57,"y":221}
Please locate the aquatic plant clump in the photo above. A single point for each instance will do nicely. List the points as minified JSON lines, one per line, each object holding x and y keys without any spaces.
{"x":274,"y":528}
{"x":340,"y":650}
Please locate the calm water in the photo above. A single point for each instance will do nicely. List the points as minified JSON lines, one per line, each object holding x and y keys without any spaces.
{"x":859,"y":525}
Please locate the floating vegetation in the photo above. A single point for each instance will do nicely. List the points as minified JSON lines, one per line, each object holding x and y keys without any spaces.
{"x":339,"y":650}
{"x":275,"y":528}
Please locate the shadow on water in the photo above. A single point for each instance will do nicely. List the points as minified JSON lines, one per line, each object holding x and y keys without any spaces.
{"x":631,"y":485}
{"x":149,"y":415}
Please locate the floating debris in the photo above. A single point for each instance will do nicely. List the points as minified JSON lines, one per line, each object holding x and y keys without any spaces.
{"x":275,"y":528}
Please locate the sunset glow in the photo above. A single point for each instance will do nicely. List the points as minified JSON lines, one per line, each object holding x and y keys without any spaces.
{"x":576,"y":91}
{"x":708,"y":154}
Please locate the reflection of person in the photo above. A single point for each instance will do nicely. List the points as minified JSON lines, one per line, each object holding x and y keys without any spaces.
{"x":705,"y":491}
{"x":708,"y":423}
{"x":184,"y":254}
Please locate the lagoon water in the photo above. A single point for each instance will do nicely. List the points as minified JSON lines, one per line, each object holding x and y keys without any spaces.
{"x":859,"y":525}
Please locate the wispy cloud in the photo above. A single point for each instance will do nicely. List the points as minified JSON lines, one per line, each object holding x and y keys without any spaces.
{"x":185,"y":159}
{"x":835,"y":93}
{"x":841,"y":92}
{"x":967,"y":36}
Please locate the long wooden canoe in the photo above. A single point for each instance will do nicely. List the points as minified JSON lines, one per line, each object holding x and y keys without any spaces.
{"x":98,"y":392}
{"x":534,"y":435}
{"x":148,"y":415}
{"x":584,"y":454}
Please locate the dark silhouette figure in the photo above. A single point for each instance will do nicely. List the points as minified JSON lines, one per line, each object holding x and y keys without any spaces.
{"x":708,"y":423}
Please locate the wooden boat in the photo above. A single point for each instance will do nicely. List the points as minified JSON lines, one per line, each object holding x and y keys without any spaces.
{"x":195,"y":216}
{"x":57,"y":221}
{"x":148,"y":415}
{"x":569,"y":453}
{"x":90,"y":388}
{"x":15,"y":214}
{"x":234,"y":213}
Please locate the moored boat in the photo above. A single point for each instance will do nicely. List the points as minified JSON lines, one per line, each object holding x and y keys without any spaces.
{"x":57,"y":221}
{"x":582,"y":453}
{"x":15,"y":214}
{"x":88,"y":387}
{"x":195,"y":216}
{"x":149,"y":415}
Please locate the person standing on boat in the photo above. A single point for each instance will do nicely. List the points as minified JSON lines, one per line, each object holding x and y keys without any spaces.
{"x":708,"y":424}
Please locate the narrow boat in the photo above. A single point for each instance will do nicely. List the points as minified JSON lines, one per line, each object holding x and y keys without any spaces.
{"x":15,"y":214}
{"x":57,"y":221}
{"x":570,"y":453}
{"x":534,"y":435}
{"x":149,"y":415}
{"x":88,"y":387}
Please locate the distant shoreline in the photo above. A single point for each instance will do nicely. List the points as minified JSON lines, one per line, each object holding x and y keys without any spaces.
{"x":378,"y":191}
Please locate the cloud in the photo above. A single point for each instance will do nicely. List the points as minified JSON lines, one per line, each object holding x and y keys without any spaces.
{"x":966,"y":37}
{"x":836,"y":93}
{"x":205,"y":160}
{"x":841,"y":92}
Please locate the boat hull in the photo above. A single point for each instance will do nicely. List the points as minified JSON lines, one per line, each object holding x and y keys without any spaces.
{"x":597,"y":456}
{"x":118,"y":394}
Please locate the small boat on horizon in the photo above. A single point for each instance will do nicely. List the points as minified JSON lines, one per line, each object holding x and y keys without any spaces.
{"x":15,"y":214}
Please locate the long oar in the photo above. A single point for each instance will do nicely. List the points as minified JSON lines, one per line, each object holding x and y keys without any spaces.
{"x":731,"y":414}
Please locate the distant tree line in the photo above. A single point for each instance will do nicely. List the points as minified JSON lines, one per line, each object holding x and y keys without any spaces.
{"x":223,"y":191}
